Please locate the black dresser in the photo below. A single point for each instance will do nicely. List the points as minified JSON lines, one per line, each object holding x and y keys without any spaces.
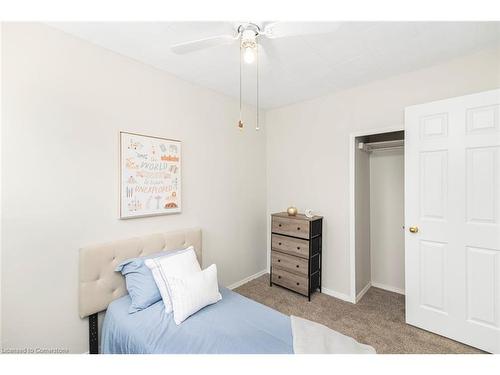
{"x":296,"y":252}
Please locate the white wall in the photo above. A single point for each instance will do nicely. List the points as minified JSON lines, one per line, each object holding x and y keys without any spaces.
{"x":64,"y":102}
{"x":387,"y":250}
{"x":308,"y":144}
{"x":1,"y":212}
{"x":362,"y":215}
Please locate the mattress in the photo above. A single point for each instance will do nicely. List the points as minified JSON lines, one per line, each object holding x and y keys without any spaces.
{"x":233,"y":325}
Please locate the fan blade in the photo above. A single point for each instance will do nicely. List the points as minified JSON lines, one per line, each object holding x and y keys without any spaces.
{"x":286,"y":29}
{"x":199,"y":44}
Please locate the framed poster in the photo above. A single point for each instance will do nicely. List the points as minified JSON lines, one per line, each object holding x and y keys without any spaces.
{"x":150,"y":175}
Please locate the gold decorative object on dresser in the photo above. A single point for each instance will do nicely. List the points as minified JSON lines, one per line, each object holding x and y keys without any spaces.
{"x":296,"y":252}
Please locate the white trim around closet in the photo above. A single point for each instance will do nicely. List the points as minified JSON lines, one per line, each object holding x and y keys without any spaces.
{"x":363,"y":291}
{"x":352,"y":207}
{"x":338,"y":295}
{"x":379,"y":286}
{"x":388,"y":288}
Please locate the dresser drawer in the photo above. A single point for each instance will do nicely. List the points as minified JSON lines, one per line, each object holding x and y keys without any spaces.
{"x":292,"y":246}
{"x":291,"y":281}
{"x":290,"y":227}
{"x":299,"y":266}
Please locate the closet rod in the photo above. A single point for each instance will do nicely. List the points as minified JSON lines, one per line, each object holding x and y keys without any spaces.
{"x":386,"y":148}
{"x":384,"y":145}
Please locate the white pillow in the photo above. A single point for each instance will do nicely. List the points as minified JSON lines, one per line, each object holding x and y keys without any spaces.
{"x":178,"y":265}
{"x":192,"y":293}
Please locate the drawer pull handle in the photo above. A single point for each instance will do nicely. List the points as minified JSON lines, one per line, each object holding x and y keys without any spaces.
{"x":279,"y":243}
{"x":297,"y":266}
{"x":279,"y":277}
{"x":298,"y":247}
{"x":298,"y":284}
{"x":279,"y":260}
{"x":298,"y":228}
{"x":279,"y":225}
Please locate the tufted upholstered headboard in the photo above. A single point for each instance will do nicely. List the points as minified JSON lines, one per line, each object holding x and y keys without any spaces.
{"x":100,"y":284}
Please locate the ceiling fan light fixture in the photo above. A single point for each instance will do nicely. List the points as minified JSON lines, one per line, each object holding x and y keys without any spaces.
{"x":249,"y":44}
{"x":249,"y":55}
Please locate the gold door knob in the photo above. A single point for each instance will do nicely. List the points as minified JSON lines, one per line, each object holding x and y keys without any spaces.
{"x":413,"y":229}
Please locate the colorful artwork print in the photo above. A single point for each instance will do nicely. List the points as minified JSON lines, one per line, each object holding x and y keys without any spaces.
{"x":150,"y":175}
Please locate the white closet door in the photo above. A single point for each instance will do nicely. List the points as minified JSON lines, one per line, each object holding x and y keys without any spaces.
{"x":452,"y":196}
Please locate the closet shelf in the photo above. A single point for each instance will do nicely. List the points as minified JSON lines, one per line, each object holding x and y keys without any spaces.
{"x":379,"y":146}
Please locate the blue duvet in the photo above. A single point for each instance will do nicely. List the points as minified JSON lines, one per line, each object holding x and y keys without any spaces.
{"x":233,"y":325}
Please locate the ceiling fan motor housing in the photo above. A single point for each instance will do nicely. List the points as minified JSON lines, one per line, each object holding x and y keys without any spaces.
{"x":249,"y":34}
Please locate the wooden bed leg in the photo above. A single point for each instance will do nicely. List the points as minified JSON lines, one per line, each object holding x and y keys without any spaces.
{"x":93,"y":335}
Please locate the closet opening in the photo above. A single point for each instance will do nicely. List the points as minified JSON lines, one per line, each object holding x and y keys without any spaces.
{"x":377,"y":212}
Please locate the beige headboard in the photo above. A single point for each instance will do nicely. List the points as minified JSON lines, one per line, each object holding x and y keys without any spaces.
{"x":100,"y":284}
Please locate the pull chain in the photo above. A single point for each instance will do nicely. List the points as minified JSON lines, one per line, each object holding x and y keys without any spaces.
{"x":240,"y":122}
{"x":257,"y":126}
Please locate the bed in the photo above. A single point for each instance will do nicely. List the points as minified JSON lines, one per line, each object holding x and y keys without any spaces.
{"x":235,"y":324}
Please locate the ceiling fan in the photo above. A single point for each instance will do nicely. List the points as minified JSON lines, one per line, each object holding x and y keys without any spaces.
{"x":249,"y":32}
{"x":248,"y":35}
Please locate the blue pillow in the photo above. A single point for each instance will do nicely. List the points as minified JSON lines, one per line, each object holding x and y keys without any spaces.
{"x":140,"y":283}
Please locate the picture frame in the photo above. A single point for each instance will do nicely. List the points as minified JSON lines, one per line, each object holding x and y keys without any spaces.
{"x":150,"y":175}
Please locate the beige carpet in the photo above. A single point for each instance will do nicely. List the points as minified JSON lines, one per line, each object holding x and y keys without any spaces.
{"x":377,"y":320}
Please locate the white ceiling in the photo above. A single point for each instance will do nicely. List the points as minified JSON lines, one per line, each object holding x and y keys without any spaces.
{"x":295,"y":68}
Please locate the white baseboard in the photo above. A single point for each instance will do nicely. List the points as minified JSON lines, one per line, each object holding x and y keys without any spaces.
{"x":388,"y":288}
{"x":363,"y":291}
{"x":246,"y":279}
{"x":332,"y":293}
{"x":329,"y":292}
